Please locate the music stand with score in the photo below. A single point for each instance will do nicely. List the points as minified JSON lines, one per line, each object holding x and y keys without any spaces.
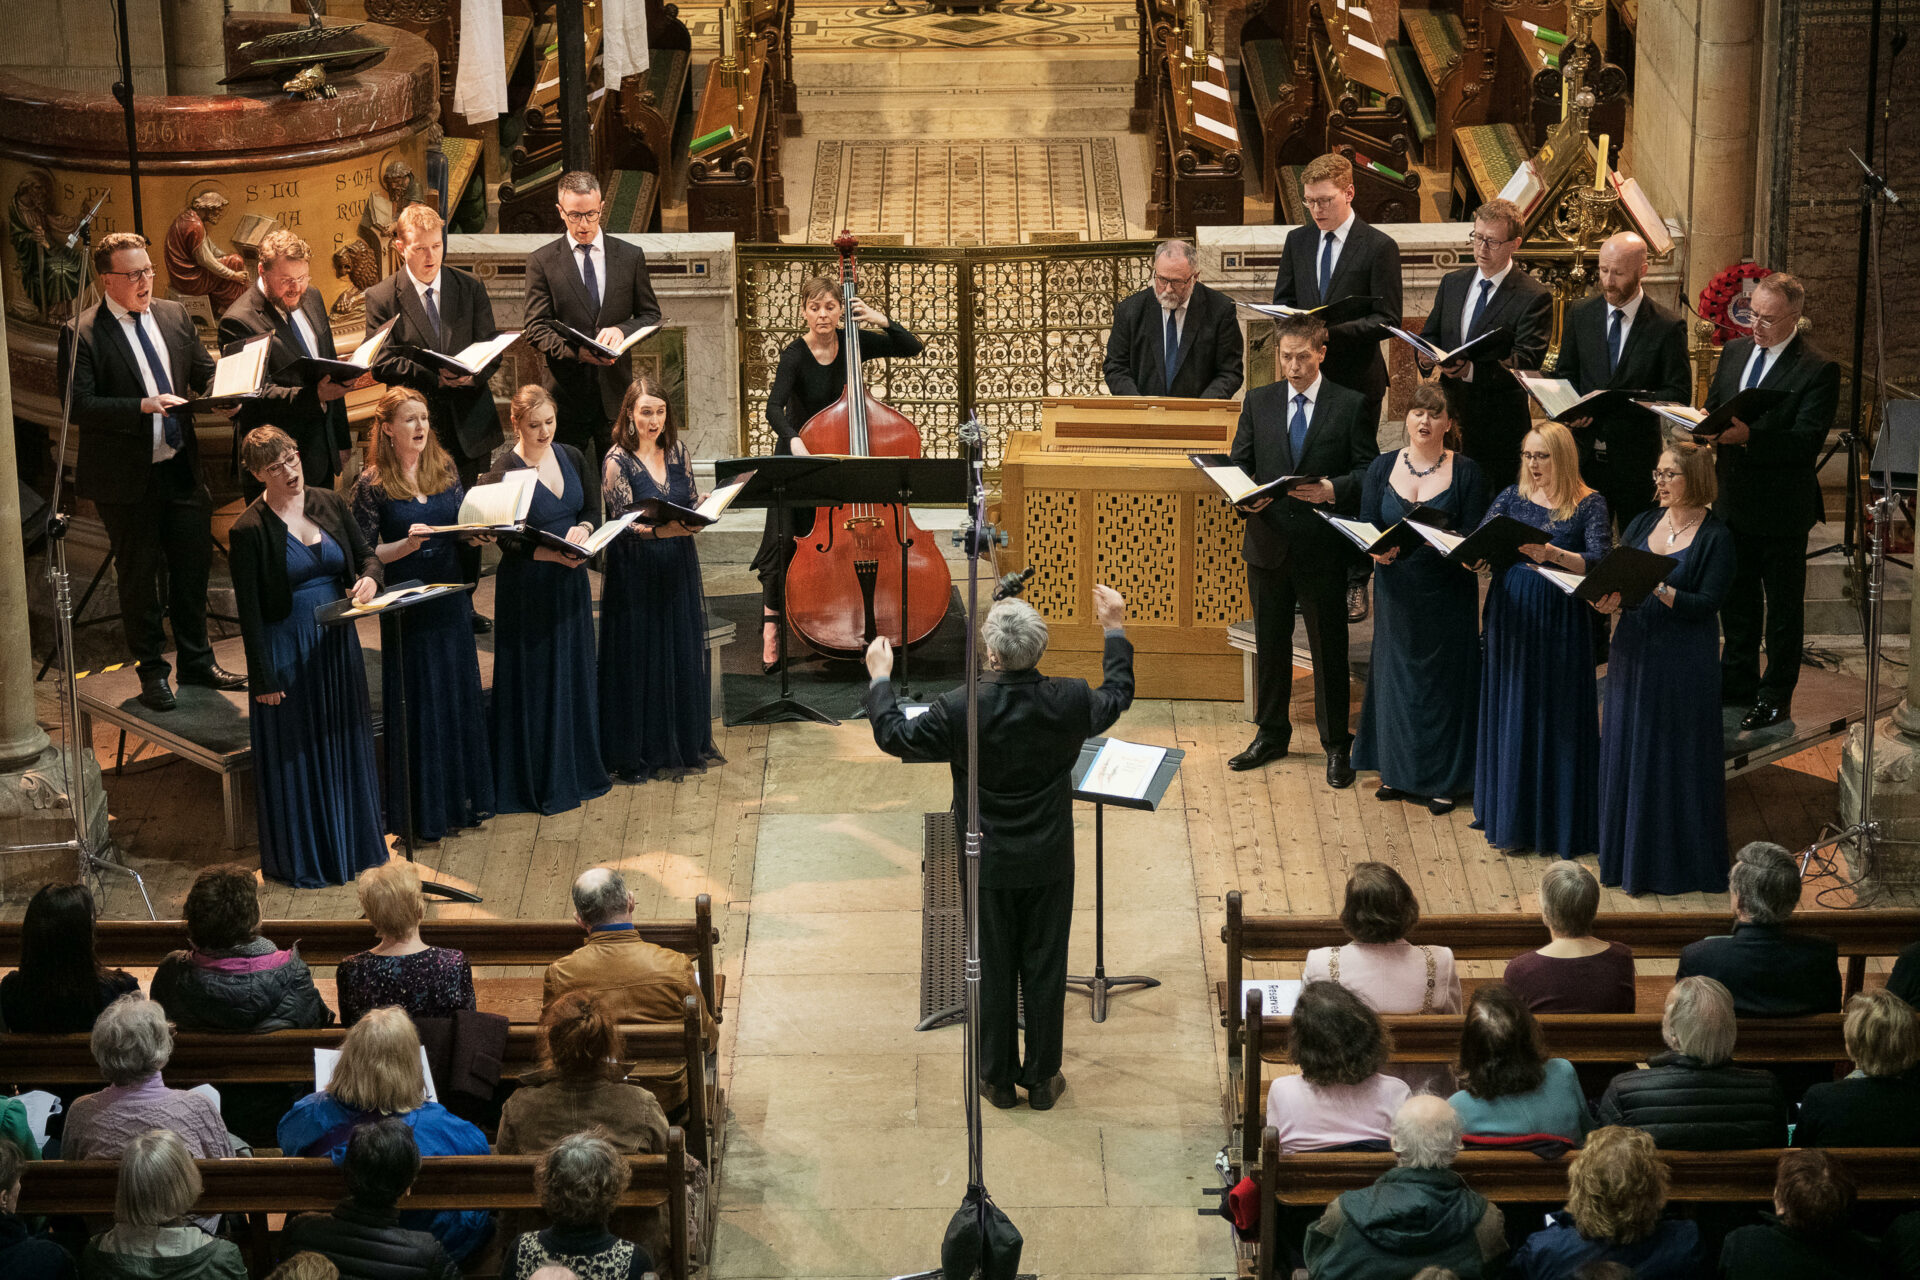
{"x":1099,"y":984}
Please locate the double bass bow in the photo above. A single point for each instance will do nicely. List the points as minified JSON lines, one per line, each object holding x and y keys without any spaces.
{"x":845,"y":585}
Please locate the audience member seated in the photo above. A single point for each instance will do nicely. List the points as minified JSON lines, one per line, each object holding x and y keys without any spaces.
{"x":131,"y":1045}
{"x":1811,"y":1238}
{"x":59,"y":986}
{"x":1576,"y":972}
{"x":1341,"y":1098}
{"x":1380,"y":965}
{"x":579,"y":1181}
{"x":23,"y":1254}
{"x":1771,"y":970}
{"x":1899,"y":1247}
{"x":1904,"y":981}
{"x":1418,"y":1214}
{"x":233,"y":979}
{"x":379,"y":1074}
{"x":363,"y":1237}
{"x":428,"y":982}
{"x":1693,"y":1098}
{"x":638,"y":981}
{"x":1616,"y":1189}
{"x":305,"y":1266}
{"x":16,"y":1127}
{"x":153,"y":1235}
{"x":1879,"y":1104}
{"x":1509,"y":1087}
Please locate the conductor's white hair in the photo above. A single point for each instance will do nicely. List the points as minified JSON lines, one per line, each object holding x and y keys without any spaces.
{"x":1015,"y":634}
{"x":1426,"y":1132}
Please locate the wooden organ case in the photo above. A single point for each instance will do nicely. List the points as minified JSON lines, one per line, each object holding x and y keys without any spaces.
{"x":1104,"y":492}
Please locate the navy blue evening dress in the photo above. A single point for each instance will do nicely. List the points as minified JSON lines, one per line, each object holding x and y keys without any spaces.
{"x":1663,"y":803}
{"x":314,"y":777}
{"x":1418,"y":722}
{"x":656,"y":717}
{"x":446,"y":720}
{"x":546,"y":730}
{"x":1536,"y":778}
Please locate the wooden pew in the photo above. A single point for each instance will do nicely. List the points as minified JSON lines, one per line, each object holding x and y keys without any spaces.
{"x":1577,"y":1037}
{"x":1197,"y":162}
{"x":1653,"y":935}
{"x":1516,"y":1177}
{"x":736,"y":186}
{"x":259,"y":1187}
{"x":286,"y":1057}
{"x":652,"y":103}
{"x":1278,"y":90}
{"x":1366,"y":107}
{"x":1435,"y":53}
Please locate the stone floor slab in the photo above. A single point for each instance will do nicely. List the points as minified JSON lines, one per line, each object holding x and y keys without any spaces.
{"x":830,"y":943}
{"x":855,"y":1014}
{"x":837,"y":862}
{"x":811,"y":783}
{"x":867,"y":1091}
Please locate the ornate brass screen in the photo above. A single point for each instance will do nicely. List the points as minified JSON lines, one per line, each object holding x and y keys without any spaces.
{"x":1003,"y":328}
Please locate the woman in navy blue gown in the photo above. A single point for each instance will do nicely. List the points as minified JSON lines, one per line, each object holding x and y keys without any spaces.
{"x":318,"y":794}
{"x":412,"y":484}
{"x":656,"y":719}
{"x":1536,"y":778}
{"x":546,"y":733}
{"x":1418,"y":722}
{"x":1663,"y":804}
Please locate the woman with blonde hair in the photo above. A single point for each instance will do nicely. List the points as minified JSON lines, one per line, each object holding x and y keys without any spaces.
{"x":1616,"y":1190}
{"x":153,"y":1233}
{"x":544,"y":715}
{"x":1537,"y":761}
{"x":411,"y":486}
{"x":1879,"y":1104}
{"x":428,"y":982}
{"x":380,"y":1073}
{"x":1664,"y":830}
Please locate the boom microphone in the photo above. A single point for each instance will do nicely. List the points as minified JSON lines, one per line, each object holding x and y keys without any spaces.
{"x":1013,"y":584}
{"x":85,"y":224}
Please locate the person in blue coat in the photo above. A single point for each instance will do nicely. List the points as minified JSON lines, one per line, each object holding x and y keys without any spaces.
{"x":1616,"y":1190}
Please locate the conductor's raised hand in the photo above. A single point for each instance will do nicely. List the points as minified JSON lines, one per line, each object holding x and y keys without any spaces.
{"x":880,"y":657}
{"x":1109,"y":608}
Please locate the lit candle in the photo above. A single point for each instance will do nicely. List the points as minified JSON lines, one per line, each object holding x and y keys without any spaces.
{"x":1600,"y":165}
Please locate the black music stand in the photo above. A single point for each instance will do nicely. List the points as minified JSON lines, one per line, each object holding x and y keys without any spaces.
{"x":773,"y":488}
{"x":1100,"y":984}
{"x":342,"y":614}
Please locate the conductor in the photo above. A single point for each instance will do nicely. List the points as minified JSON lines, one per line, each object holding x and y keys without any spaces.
{"x":1031,"y":728}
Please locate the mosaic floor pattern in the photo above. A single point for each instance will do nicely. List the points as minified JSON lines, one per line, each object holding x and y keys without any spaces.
{"x":831,"y":25}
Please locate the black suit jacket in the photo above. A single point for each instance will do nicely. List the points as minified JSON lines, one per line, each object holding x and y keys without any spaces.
{"x":461,"y":415}
{"x":1211,"y":362}
{"x":1492,"y":407}
{"x":1653,"y":360}
{"x":1338,"y":446}
{"x":116,"y":439}
{"x":1772,"y":971}
{"x":289,"y":402}
{"x":554,"y":288}
{"x":257,"y":550}
{"x":1031,"y":728}
{"x":1768,"y":485}
{"x":1369,"y":266}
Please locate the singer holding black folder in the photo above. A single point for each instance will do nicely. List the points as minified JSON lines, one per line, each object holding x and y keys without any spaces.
{"x":1663,"y":817}
{"x":1418,"y":723}
{"x":656,"y":718}
{"x":544,"y":715}
{"x":1537,"y":761}
{"x":412,"y":484}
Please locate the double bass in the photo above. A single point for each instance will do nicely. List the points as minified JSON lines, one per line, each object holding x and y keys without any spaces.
{"x":845,"y":585}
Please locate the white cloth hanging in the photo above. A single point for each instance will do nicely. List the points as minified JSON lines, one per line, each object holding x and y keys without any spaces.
{"x":480,"y":74}
{"x":623,"y":40}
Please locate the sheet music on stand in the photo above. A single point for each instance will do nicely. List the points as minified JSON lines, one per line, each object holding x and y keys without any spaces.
{"x":1123,"y":770}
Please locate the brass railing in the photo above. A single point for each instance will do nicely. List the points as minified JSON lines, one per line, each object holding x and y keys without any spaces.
{"x":1003,"y":327}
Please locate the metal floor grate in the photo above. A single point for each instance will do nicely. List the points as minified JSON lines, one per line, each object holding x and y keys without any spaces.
{"x":942,"y":943}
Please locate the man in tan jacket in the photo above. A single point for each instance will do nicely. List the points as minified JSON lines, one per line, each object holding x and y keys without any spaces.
{"x":638,"y":981}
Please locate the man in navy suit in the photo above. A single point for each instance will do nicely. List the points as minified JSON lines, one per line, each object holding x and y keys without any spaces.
{"x":1204,"y":330}
{"x":1303,"y":425}
{"x":132,"y":358}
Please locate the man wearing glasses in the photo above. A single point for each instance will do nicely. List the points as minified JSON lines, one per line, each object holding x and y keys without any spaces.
{"x":1487,"y":401}
{"x":133,"y":357}
{"x":1770,"y":497}
{"x":1178,"y":338}
{"x":588,"y":280}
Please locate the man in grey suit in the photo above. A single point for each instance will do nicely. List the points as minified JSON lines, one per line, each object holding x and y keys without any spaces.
{"x":1178,"y":315}
{"x":599,"y":286}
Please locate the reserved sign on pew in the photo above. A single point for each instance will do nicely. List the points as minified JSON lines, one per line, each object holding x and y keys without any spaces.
{"x":1276,"y":995}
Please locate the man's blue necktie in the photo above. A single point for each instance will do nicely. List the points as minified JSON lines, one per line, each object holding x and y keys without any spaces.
{"x":1297,"y":429}
{"x":1479,"y":308}
{"x":1172,"y":345}
{"x":169,"y":425}
{"x":1759,"y":369}
{"x":1326,"y":266}
{"x":299,"y":339}
{"x":587,"y":272}
{"x":433,"y":314}
{"x":1613,"y":341}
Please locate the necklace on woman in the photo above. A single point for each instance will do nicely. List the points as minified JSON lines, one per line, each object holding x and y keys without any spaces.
{"x":1674,"y":530}
{"x":1406,"y":456}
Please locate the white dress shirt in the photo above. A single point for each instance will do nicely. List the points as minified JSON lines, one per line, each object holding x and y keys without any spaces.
{"x":1473,"y":300}
{"x":599,"y":255}
{"x":1628,"y":312}
{"x":421,"y":288}
{"x":1312,"y":394}
{"x":1766,"y":357}
{"x":126,"y":320}
{"x":1339,"y":247}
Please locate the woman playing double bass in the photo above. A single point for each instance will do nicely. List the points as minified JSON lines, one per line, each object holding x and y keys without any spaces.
{"x":811,"y":377}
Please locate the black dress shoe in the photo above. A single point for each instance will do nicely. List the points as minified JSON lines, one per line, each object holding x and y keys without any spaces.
{"x":155,"y":696}
{"x":1356,"y":602}
{"x":1386,"y":792}
{"x":1764,"y":715}
{"x":1042,"y":1096}
{"x":214,"y":677}
{"x":1262,"y":750}
{"x":1000,"y":1095}
{"x":1439,"y":807}
{"x":1339,"y":772}
{"x":481,"y":625}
